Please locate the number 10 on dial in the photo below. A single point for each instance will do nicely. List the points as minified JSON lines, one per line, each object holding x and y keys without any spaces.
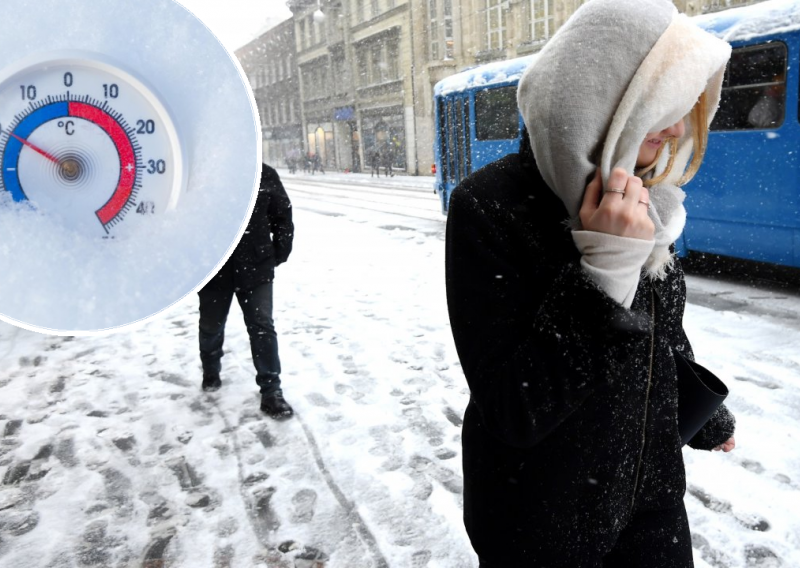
{"x":87,"y":143}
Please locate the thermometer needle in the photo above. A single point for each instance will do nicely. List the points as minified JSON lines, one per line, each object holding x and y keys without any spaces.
{"x":36,"y":148}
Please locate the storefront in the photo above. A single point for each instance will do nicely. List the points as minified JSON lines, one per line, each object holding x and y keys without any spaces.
{"x":281,"y":142}
{"x":320,"y":140}
{"x":383,"y":130}
{"x":347,"y":139}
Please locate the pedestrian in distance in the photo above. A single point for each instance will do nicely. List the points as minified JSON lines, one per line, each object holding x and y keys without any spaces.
{"x":375,"y":163}
{"x":317,"y":164}
{"x":249,"y":274}
{"x":571,"y":449}
{"x":388,"y":158}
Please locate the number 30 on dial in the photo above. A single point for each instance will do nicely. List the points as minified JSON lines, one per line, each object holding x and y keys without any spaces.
{"x":87,"y":143}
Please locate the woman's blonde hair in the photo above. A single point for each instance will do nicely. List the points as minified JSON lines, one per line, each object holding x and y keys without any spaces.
{"x":698,"y":118}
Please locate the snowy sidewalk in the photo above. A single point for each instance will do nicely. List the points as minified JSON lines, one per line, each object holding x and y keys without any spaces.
{"x":110,"y":455}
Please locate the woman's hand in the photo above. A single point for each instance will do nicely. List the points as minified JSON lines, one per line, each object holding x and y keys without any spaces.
{"x":726,"y":446}
{"x":615,"y":213}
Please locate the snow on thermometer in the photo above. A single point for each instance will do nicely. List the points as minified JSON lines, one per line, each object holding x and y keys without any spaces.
{"x":85,"y":141}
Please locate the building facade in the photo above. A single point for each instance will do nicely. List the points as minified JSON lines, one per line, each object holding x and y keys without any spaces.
{"x":270,"y":64}
{"x":366,"y":69}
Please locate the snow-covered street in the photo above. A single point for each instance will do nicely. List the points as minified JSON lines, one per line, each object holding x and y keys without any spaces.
{"x":110,"y":454}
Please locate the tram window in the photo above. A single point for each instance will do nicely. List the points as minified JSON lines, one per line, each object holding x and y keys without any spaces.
{"x":443,"y":139}
{"x":458,"y":117}
{"x":452,"y":148}
{"x":754,"y":89}
{"x":496,"y":114}
{"x":467,"y":147}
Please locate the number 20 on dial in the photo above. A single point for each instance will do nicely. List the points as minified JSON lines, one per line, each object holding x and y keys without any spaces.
{"x":87,"y":143}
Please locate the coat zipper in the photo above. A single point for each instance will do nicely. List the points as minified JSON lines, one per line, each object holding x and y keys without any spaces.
{"x":647,"y":395}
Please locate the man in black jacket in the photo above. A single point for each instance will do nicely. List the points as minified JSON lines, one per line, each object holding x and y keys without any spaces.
{"x":249,"y":273}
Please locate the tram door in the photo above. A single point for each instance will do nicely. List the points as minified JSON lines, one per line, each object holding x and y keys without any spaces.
{"x":458,"y":156}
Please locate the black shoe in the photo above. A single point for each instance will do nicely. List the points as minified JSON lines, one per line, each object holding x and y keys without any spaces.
{"x":275,"y":406}
{"x":211,"y":381}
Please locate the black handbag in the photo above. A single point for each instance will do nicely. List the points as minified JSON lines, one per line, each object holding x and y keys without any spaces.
{"x":700,"y":392}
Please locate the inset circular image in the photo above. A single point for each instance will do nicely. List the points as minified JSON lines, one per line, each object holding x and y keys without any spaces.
{"x":129,"y":159}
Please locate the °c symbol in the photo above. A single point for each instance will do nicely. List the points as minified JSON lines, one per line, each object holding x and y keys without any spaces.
{"x":68,"y":126}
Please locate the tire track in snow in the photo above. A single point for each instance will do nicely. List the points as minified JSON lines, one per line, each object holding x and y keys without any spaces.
{"x":357,"y":521}
{"x":252,"y":509}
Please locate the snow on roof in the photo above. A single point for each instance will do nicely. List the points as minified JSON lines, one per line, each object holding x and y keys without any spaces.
{"x":489,"y":74}
{"x":737,"y":24}
{"x":747,"y":22}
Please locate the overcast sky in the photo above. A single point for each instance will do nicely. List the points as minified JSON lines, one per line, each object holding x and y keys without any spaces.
{"x":236,"y":22}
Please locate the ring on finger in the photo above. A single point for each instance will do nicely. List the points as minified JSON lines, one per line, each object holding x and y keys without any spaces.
{"x":615,"y":190}
{"x":645,"y":203}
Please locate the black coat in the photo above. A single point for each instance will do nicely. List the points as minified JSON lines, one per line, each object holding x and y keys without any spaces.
{"x":266,"y":242}
{"x":572,"y":418}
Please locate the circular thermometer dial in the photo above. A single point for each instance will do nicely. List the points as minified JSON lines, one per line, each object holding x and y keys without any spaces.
{"x":88,"y":143}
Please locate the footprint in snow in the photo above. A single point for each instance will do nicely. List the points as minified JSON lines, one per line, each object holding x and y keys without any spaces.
{"x":750,"y":521}
{"x":318,"y":400}
{"x":761,"y":557}
{"x":452,"y":416}
{"x":265,"y":515}
{"x":95,"y":546}
{"x":156,"y":550}
{"x":304,"y":502}
{"x":185,"y":473}
{"x":420,"y":558}
{"x":12,"y":428}
{"x":17,"y":523}
{"x":118,"y":491}
{"x":347,"y":390}
{"x":714,"y":557}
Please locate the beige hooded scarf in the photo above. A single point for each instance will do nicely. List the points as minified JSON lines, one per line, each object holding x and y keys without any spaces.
{"x":617,"y":70}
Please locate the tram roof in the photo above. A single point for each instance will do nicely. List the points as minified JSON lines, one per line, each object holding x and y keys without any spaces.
{"x":747,"y":22}
{"x":736,"y":24}
{"x":484,"y":75}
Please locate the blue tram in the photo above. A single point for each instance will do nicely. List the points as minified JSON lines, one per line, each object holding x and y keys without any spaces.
{"x":745,"y":200}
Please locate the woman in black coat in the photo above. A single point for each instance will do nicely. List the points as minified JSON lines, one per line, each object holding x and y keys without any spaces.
{"x":572,"y":456}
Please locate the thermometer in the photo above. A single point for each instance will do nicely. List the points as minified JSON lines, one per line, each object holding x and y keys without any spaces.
{"x":88,"y":143}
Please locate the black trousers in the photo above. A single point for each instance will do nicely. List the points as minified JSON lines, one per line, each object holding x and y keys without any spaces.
{"x":256,"y":304}
{"x":652,"y":539}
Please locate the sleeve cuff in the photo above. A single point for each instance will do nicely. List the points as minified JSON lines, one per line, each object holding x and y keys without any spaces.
{"x":614,"y":263}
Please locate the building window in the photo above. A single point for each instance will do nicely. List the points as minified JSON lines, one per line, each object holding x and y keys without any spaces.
{"x":434,"y":30}
{"x":440,"y":15}
{"x":359,"y":10}
{"x":312,"y":30}
{"x":542,"y":21}
{"x":495,"y":24}
{"x":377,"y":63}
{"x":393,"y":60}
{"x":448,"y":29}
{"x":339,"y":75}
{"x":363,"y":68}
{"x":301,"y":32}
